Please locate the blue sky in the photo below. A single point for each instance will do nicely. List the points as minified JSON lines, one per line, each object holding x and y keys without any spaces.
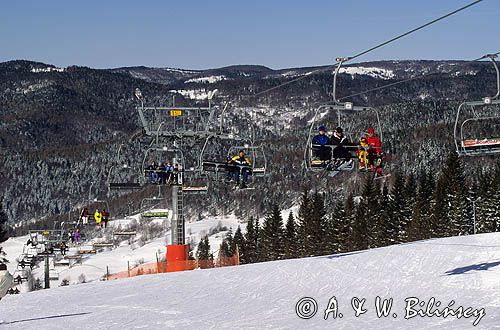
{"x":197,"y":34}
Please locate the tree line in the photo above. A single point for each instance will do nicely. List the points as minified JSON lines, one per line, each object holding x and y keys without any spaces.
{"x":413,"y":207}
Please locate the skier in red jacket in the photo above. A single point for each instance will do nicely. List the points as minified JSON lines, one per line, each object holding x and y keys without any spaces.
{"x":374,"y":152}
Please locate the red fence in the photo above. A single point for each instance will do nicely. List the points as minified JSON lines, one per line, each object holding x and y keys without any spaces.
{"x":165,"y":267}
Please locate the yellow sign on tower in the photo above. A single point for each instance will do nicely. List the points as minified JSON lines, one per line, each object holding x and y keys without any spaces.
{"x":175,"y":113}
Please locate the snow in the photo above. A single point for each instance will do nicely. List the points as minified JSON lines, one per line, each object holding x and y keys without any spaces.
{"x":193,"y":94}
{"x":209,"y":80}
{"x":458,"y":271}
{"x":47,"y":69}
{"x":93,"y":267}
{"x":184,"y":71}
{"x":368,"y":71}
{"x":30,"y":88}
{"x":293,"y":74}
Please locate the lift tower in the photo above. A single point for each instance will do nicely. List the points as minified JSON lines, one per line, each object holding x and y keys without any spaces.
{"x":173,"y":126}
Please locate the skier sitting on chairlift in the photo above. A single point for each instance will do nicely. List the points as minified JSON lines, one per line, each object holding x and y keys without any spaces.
{"x":105,"y":218}
{"x":241,"y":160}
{"x":151,"y":172}
{"x":63,"y":248}
{"x":374,"y":152}
{"x":169,"y":169}
{"x":231,"y":170}
{"x":77,"y":236}
{"x":98,"y":218}
{"x":340,"y":142}
{"x":363,"y":154}
{"x":320,"y":143}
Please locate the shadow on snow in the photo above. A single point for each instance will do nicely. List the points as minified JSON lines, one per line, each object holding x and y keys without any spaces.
{"x":471,"y":268}
{"x":46,"y":317}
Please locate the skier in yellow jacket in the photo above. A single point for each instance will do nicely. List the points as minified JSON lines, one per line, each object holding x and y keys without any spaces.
{"x":243,"y":161}
{"x":98,"y":217}
{"x":363,"y":154}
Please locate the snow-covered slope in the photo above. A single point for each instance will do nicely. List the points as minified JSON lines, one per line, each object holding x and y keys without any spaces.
{"x":94,"y":266}
{"x":465,"y":270}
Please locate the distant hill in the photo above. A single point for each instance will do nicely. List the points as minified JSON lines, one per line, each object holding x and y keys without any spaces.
{"x":60,"y":128}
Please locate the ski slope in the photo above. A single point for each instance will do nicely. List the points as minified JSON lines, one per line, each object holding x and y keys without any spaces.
{"x":94,"y":266}
{"x":264,"y":296}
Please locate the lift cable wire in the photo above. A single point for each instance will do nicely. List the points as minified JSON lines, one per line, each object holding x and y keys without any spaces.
{"x":413,"y":78}
{"x":399,"y":82}
{"x":370,"y":49}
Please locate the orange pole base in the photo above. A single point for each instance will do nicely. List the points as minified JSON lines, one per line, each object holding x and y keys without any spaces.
{"x":177,"y":256}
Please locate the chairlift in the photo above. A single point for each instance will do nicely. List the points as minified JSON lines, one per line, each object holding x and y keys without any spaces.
{"x":483,"y":116}
{"x":102,"y":245}
{"x":98,"y":204}
{"x":151,"y":202}
{"x":87,"y":251}
{"x":125,"y":233}
{"x":159,"y":156}
{"x":217,"y":164}
{"x":324,"y":158}
{"x":123,"y":177}
{"x":195,"y":183}
{"x":152,"y":215}
{"x":257,"y":156}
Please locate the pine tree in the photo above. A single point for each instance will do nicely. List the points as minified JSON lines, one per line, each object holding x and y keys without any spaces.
{"x":460,"y":216}
{"x":486,"y":206}
{"x":362,"y":237}
{"x":271,"y":235}
{"x":290,"y":238}
{"x":420,"y":226}
{"x":4,"y":229}
{"x":4,"y":232}
{"x":230,"y":244}
{"x":439,"y":220}
{"x":252,"y":250}
{"x":224,"y":252}
{"x":387,"y":226}
{"x":239,"y":244}
{"x":203,"y":251}
{"x":347,"y":243}
{"x":303,"y":230}
{"x":451,"y":208}
{"x":399,"y":211}
{"x":375,"y":224}
{"x":410,"y":194}
{"x":319,"y":226}
{"x":338,"y":229}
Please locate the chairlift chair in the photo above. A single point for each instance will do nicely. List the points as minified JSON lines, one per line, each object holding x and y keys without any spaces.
{"x":470,"y":143}
{"x":125,"y":233}
{"x":102,"y":245}
{"x":257,"y":157}
{"x":151,"y":202}
{"x":163,"y":154}
{"x":195,"y":183}
{"x":314,"y":163}
{"x":215,"y":163}
{"x":87,"y":251}
{"x":123,"y":177}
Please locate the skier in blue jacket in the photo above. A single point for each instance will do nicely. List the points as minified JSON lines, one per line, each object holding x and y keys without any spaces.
{"x":320,"y":145}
